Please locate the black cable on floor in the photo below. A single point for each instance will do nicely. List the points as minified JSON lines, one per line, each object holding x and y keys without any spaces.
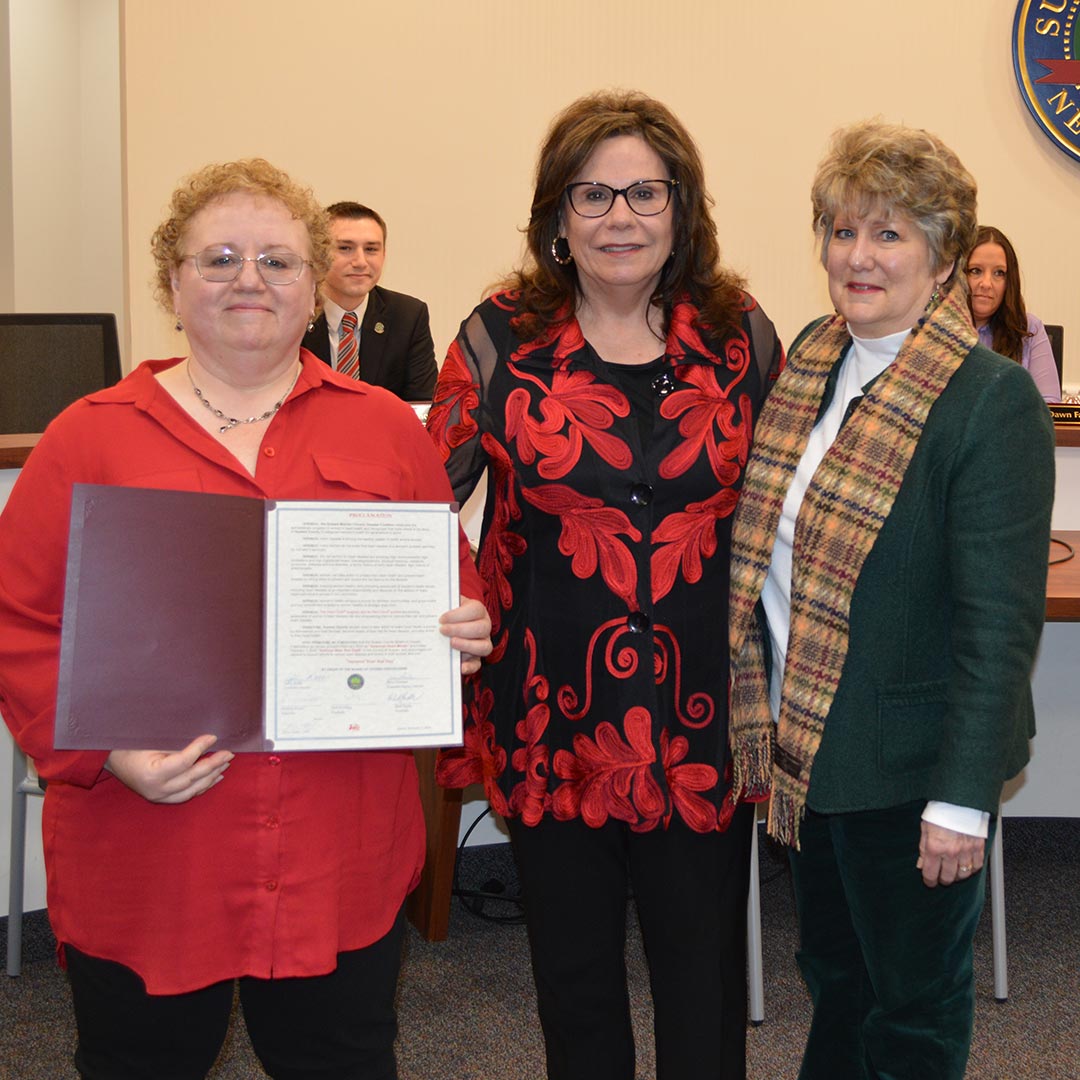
{"x":492,"y":891}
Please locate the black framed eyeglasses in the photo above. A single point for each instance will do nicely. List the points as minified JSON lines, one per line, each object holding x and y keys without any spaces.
{"x":223,"y":264}
{"x":646,"y":198}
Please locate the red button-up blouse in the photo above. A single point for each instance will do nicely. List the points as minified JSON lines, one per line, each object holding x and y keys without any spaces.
{"x":293,"y":857}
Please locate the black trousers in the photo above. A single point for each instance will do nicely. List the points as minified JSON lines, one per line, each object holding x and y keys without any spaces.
{"x":339,"y":1026}
{"x":690,"y":889}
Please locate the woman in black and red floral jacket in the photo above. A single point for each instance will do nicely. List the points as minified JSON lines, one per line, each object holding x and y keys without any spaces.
{"x":610,"y":391}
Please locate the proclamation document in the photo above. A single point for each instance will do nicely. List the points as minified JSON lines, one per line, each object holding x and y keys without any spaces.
{"x":354,"y":656}
{"x":273,"y":625}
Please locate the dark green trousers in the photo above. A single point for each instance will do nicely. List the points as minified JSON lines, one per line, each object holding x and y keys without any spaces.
{"x":888,"y":961}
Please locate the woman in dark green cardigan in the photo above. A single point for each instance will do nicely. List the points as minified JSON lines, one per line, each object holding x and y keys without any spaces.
{"x":888,"y":589}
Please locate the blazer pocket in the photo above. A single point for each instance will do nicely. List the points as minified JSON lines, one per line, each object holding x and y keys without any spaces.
{"x":911,"y":724}
{"x":376,"y":481}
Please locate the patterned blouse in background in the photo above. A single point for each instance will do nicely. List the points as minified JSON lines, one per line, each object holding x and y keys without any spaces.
{"x":604,"y":555}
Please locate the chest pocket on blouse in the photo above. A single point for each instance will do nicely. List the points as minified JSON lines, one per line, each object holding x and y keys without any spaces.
{"x":377,"y":481}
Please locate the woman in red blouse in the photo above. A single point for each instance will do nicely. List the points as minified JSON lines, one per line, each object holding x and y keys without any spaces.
{"x":610,"y":390}
{"x":170,"y":875}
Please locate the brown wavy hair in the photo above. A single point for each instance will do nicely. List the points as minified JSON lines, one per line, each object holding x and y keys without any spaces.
{"x":548,"y":289}
{"x":252,"y":176}
{"x":1009,"y":324}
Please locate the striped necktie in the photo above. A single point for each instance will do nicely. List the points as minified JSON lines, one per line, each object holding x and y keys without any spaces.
{"x":348,"y":353}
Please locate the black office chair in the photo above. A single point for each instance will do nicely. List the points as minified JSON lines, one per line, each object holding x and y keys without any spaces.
{"x":49,"y":361}
{"x":1056,"y":334}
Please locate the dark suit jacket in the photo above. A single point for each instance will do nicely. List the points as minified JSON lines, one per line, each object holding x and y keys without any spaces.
{"x":396,"y":350}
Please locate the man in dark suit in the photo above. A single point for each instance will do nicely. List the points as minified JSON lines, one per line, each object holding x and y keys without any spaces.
{"x":395,"y":346}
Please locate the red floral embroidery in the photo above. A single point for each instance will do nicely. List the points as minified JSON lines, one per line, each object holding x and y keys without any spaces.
{"x":684,"y":539}
{"x":708,"y":423}
{"x":622,"y":663}
{"x":730,"y":802}
{"x":589,"y":537}
{"x":507,"y":299}
{"x":577,"y":409}
{"x":501,"y":545}
{"x":564,"y":332}
{"x":480,"y":759}
{"x":529,"y":797}
{"x":610,"y":776}
{"x":684,"y":781}
{"x":737,"y":353}
{"x":573,"y":699}
{"x":683,"y":336}
{"x":699,"y":708}
{"x":455,"y":389}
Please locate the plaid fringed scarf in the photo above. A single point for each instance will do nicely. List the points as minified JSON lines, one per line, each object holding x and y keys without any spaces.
{"x":847,"y":503}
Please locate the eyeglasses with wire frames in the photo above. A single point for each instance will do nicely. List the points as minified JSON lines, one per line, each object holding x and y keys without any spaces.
{"x":224,"y":264}
{"x":647,"y":198}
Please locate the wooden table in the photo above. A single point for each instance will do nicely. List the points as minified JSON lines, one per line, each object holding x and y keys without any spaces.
{"x":1063,"y":580}
{"x":428,"y":905}
{"x":14,"y":450}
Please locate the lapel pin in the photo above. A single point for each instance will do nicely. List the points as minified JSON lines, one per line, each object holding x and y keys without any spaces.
{"x":379,"y":328}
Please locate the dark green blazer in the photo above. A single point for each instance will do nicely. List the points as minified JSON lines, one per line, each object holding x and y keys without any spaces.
{"x":934,"y":701}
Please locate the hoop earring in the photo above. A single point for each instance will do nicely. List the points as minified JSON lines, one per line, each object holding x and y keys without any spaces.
{"x":560,"y":251}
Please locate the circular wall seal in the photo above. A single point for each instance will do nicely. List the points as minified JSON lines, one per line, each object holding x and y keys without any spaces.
{"x":1047,"y":65}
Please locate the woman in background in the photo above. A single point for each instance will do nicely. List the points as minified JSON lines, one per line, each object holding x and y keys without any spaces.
{"x":171,"y":875}
{"x":997,"y":306}
{"x":610,"y":389}
{"x":888,"y":589}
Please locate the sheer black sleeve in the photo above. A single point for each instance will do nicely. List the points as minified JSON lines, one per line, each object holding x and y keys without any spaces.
{"x":459,"y":413}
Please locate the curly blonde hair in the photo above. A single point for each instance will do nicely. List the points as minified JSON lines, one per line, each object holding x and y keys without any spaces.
{"x":873,"y":165}
{"x":253,"y":176}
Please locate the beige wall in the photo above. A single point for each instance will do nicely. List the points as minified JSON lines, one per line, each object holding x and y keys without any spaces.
{"x":7,"y":215}
{"x":442,"y":107}
{"x":60,"y":182}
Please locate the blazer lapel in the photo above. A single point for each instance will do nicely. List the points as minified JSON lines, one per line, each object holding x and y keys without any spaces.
{"x":317,"y":341}
{"x":374,"y":331}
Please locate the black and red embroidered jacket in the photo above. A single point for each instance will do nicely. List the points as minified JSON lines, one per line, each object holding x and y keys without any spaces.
{"x":604,"y":555}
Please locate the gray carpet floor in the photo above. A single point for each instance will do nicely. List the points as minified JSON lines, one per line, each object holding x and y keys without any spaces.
{"x":467,"y":1009}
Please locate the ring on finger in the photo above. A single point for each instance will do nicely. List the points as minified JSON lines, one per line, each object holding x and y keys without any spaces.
{"x":964,"y":869}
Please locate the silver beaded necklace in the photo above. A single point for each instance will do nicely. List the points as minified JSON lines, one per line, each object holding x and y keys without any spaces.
{"x":234,"y":421}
